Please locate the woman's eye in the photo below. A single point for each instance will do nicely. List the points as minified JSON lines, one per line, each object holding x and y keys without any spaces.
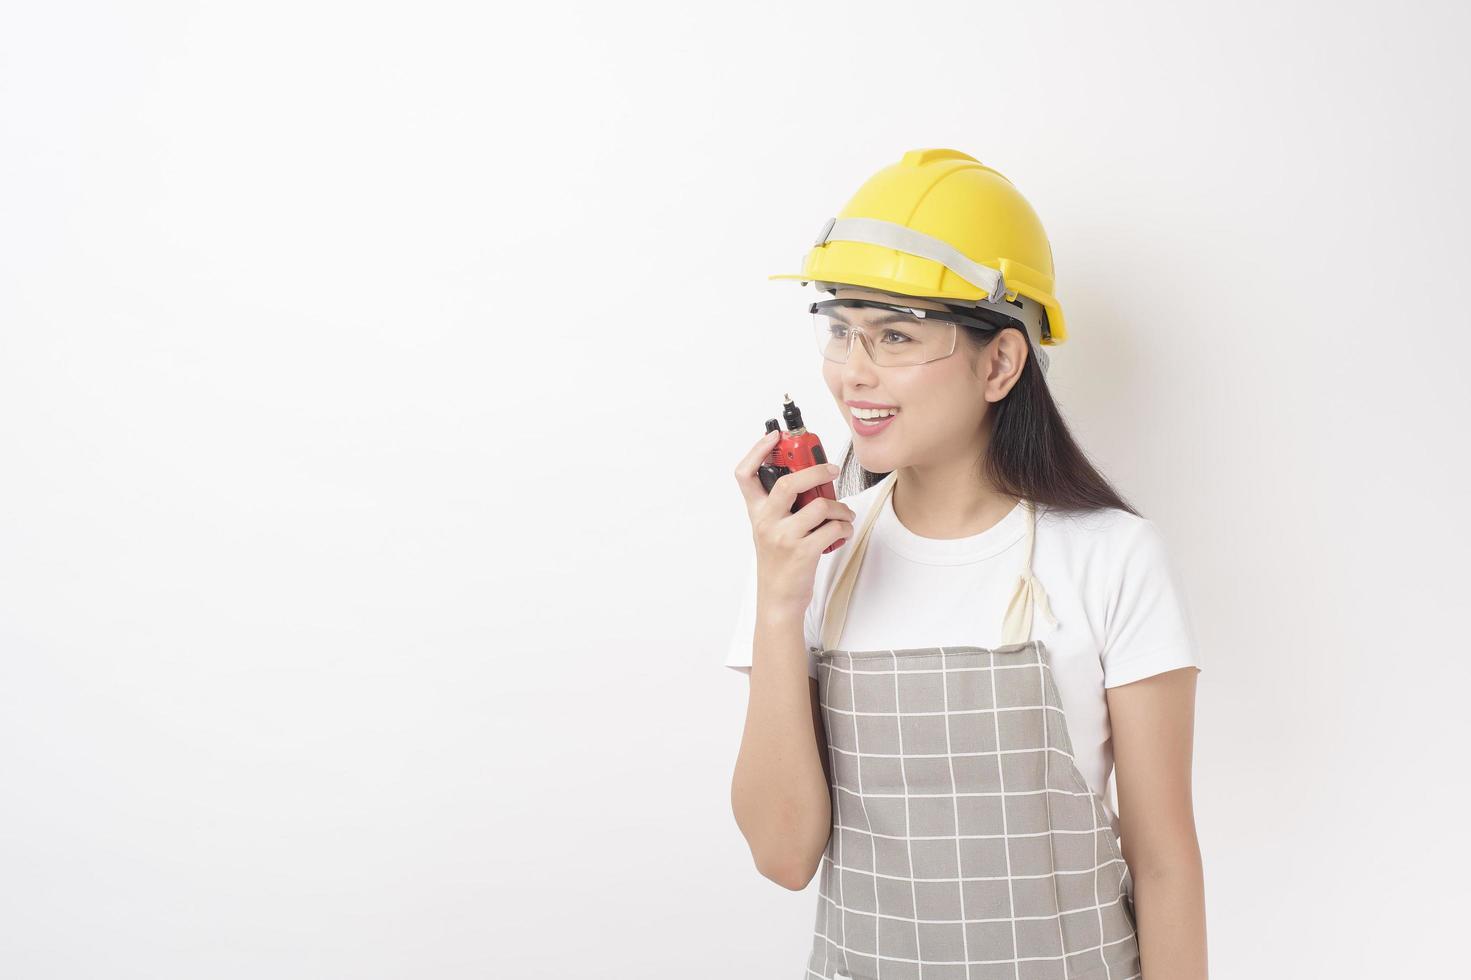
{"x":895,"y":333}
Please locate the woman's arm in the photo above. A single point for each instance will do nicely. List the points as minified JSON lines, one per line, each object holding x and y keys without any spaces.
{"x":779,"y":792}
{"x":1153,"y":722}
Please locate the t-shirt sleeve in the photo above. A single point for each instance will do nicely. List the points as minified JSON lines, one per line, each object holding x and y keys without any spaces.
{"x":1148,"y":627}
{"x":743,"y":636}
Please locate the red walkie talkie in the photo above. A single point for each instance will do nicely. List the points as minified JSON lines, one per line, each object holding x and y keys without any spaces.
{"x":797,"y":449}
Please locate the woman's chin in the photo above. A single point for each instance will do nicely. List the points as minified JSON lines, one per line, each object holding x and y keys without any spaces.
{"x":873,"y":462}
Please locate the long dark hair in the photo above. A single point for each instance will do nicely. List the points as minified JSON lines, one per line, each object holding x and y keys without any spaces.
{"x":1031,"y":454}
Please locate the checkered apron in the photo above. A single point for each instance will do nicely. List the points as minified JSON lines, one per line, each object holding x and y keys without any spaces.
{"x":966,"y":843}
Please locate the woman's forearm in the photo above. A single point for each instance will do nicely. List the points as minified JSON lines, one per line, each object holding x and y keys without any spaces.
{"x":779,"y":792}
{"x":1169,"y":909}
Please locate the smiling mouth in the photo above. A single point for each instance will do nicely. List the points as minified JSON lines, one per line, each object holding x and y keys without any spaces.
{"x":872,"y":426}
{"x":871,"y":414}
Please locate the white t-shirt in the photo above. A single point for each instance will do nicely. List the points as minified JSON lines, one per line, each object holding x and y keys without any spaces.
{"x":1122,"y":613}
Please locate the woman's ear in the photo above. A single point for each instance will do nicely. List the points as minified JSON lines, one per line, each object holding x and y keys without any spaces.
{"x":1003,"y":359}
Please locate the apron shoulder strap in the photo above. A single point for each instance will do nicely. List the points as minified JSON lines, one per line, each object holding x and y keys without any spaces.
{"x":837,"y":600}
{"x":1016,"y":627}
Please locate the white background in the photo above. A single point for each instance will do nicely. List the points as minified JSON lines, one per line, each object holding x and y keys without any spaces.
{"x":371,"y":378}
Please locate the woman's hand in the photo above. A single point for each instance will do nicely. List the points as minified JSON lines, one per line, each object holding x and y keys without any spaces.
{"x":788,"y":545}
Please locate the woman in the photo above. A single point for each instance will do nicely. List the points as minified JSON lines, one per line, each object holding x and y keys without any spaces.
{"x":943,"y":765}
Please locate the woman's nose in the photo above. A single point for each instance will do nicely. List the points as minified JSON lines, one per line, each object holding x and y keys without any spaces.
{"x":860,"y":361}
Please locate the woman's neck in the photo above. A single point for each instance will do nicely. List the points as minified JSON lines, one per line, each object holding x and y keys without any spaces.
{"x":948,"y":502}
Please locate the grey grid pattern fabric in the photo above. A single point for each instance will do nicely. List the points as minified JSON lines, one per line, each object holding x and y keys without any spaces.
{"x":966,"y":844}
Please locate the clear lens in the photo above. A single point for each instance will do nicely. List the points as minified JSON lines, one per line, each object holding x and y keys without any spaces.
{"x":890,"y":339}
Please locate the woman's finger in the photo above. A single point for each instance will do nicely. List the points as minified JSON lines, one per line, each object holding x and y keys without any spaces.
{"x":745,"y":471}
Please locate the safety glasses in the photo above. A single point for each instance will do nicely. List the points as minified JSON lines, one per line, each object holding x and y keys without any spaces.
{"x":901,"y":336}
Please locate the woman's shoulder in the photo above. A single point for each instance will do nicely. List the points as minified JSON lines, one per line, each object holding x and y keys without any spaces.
{"x":1109,"y":529}
{"x":1094,"y":520}
{"x":1106,"y":543}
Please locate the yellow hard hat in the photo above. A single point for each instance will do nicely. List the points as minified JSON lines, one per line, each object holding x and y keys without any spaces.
{"x":940,"y":224}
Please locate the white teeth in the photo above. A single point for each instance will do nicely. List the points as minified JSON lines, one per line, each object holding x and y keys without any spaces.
{"x":871,"y":413}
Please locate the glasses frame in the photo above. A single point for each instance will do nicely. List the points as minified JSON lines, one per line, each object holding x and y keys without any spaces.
{"x":979,"y":320}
